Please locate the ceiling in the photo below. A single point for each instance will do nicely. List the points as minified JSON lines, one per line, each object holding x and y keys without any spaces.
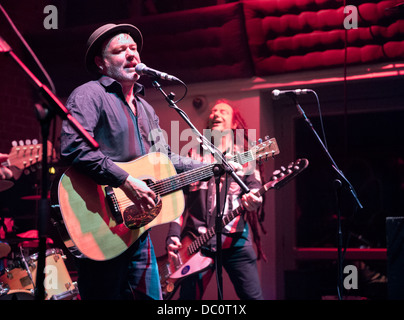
{"x":201,"y":41}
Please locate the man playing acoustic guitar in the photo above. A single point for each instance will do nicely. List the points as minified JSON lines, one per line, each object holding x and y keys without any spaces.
{"x":112,"y":110}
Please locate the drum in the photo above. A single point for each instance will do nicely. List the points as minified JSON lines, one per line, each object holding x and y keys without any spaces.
{"x":16,"y":278}
{"x":57,"y":283}
{"x":18,"y":295}
{"x":3,"y":289}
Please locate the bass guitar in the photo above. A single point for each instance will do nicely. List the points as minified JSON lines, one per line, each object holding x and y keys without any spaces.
{"x":190,"y":259}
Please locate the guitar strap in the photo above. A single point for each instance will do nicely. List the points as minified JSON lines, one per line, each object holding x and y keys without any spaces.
{"x":223,"y":196}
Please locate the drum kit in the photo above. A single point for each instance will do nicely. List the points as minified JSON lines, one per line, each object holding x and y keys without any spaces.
{"x":18,"y":259}
{"x":18,"y":277}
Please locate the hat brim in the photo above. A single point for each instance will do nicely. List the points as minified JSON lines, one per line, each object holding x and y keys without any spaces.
{"x":94,"y":46}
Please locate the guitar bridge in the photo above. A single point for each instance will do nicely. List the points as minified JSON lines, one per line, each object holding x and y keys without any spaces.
{"x":134,"y":219}
{"x":113,"y":204}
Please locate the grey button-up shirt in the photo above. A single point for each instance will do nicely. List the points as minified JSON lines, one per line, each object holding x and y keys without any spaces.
{"x":101,"y":109}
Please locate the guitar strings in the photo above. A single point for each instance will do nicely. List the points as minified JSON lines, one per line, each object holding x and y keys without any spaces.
{"x":202,"y":239}
{"x":166,"y":184}
{"x":173,"y":183}
{"x":176,"y":182}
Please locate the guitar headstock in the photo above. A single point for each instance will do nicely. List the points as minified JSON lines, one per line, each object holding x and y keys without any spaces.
{"x":24,"y":155}
{"x":283,"y":175}
{"x":265,"y":149}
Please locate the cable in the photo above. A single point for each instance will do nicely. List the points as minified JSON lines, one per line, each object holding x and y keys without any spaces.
{"x":321,"y":118}
{"x":185,"y":93}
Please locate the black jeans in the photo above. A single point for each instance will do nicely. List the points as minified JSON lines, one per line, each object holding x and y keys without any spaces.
{"x":131,"y":275}
{"x":240,"y":264}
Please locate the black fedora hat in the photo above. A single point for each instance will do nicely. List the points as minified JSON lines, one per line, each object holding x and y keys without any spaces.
{"x":104,"y":32}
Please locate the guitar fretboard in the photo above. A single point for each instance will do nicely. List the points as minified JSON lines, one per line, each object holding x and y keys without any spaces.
{"x":204,"y":238}
{"x":181,"y":180}
{"x":276,"y":182}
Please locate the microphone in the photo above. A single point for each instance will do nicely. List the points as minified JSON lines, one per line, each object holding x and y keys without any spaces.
{"x":142,"y":69}
{"x":277,"y":94}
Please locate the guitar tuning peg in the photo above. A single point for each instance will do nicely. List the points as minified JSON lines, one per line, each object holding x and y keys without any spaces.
{"x":34,"y":142}
{"x":27,"y":142}
{"x":21,"y":143}
{"x":259,"y":140}
{"x":266,"y":138}
{"x":14,"y":143}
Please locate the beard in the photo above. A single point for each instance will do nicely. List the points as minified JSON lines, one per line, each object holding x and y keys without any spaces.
{"x":121,"y":74}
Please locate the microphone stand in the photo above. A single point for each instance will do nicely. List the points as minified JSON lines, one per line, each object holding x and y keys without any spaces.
{"x":337,"y":186}
{"x":218,"y":170}
{"x":45,"y":113}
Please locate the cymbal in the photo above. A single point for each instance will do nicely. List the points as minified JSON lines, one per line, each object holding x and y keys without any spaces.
{"x":5,"y":184}
{"x":32,"y":197}
{"x":17,"y":240}
{"x":35,"y":197}
{"x":5,"y":249}
{"x":31,"y":239}
{"x":27,"y":242}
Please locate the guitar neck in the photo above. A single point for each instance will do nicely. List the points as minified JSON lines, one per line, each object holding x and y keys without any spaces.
{"x":277,"y":181}
{"x":204,"y":238}
{"x":181,"y":180}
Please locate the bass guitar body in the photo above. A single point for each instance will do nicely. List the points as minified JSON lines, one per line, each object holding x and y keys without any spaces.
{"x":172,"y":271}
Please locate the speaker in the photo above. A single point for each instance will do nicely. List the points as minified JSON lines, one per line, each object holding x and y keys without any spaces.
{"x":395,"y":257}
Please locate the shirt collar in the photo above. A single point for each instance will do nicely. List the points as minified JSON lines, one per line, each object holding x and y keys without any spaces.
{"x":111,"y":83}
